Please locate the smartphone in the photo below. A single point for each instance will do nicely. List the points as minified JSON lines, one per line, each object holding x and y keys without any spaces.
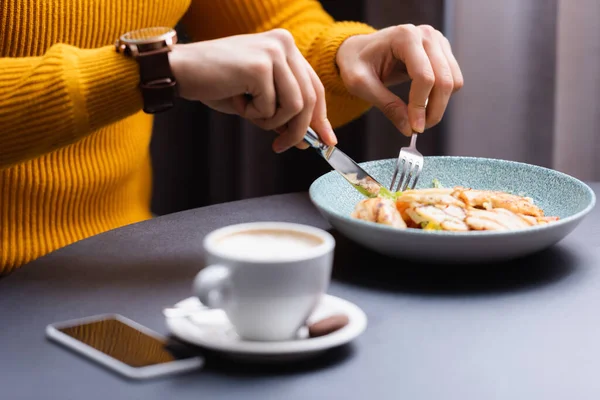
{"x":124,"y":346}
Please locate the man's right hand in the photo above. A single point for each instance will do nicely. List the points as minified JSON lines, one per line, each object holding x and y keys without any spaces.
{"x":261,"y":77}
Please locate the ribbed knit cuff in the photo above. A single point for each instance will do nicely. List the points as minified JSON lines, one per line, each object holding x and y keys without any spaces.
{"x":324,"y":51}
{"x":108,"y":85}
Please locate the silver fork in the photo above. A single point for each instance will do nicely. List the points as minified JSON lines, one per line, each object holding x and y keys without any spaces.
{"x":411,"y":162}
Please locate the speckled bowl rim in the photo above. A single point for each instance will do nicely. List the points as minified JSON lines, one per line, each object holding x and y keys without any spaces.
{"x":430,"y":233}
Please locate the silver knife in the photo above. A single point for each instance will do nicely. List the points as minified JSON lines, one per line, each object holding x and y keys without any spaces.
{"x":347,"y":167}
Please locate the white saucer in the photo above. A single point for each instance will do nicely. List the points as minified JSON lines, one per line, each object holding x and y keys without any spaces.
{"x":212,"y":330}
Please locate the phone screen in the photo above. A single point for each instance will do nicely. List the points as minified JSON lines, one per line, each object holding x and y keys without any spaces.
{"x":127,"y":344}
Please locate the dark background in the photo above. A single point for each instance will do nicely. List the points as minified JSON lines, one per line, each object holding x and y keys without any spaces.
{"x":202,"y":157}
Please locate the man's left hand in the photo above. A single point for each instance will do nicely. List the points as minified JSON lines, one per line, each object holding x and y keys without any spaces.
{"x":370,"y":63}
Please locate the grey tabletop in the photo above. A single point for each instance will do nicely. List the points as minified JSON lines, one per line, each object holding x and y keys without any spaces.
{"x":529,"y":329}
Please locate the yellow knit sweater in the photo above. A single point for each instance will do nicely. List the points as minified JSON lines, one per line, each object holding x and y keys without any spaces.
{"x":74,"y":157}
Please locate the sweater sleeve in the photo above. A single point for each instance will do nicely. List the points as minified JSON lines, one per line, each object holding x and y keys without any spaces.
{"x":316,"y":34}
{"x":51,"y":101}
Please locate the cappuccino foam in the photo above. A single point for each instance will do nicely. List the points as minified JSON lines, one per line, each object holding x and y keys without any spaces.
{"x":268,"y":244}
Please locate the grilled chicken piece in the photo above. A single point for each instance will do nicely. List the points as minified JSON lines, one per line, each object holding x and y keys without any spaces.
{"x":449,"y":218}
{"x":489,"y":199}
{"x":495,"y":220}
{"x":455,"y":211}
{"x":538,"y":220}
{"x":430,"y":196}
{"x":379,"y":210}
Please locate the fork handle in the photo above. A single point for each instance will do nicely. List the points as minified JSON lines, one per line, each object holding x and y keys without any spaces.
{"x":413,"y":140}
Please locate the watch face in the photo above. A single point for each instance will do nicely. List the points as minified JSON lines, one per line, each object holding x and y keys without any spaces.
{"x":147,"y":35}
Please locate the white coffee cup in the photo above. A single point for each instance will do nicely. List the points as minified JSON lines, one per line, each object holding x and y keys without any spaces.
{"x":267,"y":277}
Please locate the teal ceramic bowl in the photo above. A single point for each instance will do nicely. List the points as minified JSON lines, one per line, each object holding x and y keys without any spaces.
{"x":556,"y":193}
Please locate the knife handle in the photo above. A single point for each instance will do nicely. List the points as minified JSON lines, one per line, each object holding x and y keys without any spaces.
{"x":313,"y":140}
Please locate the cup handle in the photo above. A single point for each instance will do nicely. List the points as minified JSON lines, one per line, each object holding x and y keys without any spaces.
{"x":211,"y":285}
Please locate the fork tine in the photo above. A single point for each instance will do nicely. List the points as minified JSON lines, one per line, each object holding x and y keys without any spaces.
{"x":412,"y":163}
{"x":398,"y":180}
{"x":410,"y":174}
{"x":395,"y":174}
{"x":407,"y":164}
{"x":417,"y":175}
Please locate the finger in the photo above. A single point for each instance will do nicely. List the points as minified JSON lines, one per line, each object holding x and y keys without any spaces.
{"x":288,"y":96}
{"x":302,"y":145}
{"x":282,"y":129}
{"x":454,"y":67}
{"x":239,"y":104}
{"x":319,"y":122}
{"x":262,"y":104}
{"x":299,"y":124}
{"x":444,"y":83}
{"x":410,"y":51}
{"x":369,"y":87}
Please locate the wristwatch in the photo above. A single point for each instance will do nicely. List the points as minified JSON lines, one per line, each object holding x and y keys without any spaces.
{"x":150,"y":47}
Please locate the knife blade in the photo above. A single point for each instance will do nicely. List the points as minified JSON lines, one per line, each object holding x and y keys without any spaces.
{"x":343,"y":164}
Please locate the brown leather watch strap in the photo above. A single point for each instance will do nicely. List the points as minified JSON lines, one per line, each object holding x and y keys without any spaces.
{"x":157,"y":82}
